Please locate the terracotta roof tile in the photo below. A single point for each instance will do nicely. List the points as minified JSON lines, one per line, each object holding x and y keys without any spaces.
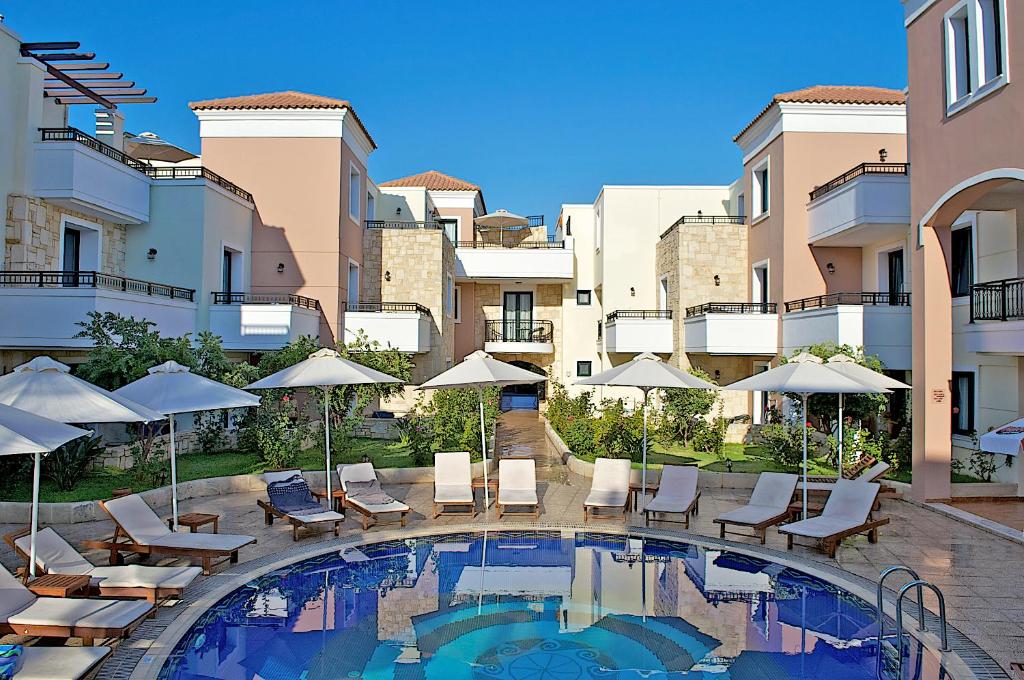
{"x":833,"y":94}
{"x":432,"y":180}
{"x":289,"y":99}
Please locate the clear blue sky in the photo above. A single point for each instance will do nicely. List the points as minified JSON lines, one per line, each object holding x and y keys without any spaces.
{"x":540,"y":103}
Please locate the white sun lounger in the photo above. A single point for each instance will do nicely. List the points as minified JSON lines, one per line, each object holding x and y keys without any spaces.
{"x":453,"y":483}
{"x":54,"y":555}
{"x":847,"y":512}
{"x":609,"y":488}
{"x":517,"y":486}
{"x":297,"y":521}
{"x":768,"y":505}
{"x":822,"y":485}
{"x":139,"y":530}
{"x":364,"y":472}
{"x":677,"y":495}
{"x":23,"y":613}
{"x":59,"y":663}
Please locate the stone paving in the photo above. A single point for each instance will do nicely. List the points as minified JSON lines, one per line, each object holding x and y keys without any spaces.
{"x":978,"y":572}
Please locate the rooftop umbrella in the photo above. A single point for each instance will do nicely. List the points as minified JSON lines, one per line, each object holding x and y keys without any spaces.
{"x":846,"y":365}
{"x":501,"y":220}
{"x":480,"y":370}
{"x":325,"y":369}
{"x":24,"y":432}
{"x":647,"y":372}
{"x":171,"y":388}
{"x":148,"y":147}
{"x":806,"y":375}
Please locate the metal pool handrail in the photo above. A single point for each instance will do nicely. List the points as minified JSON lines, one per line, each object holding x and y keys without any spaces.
{"x":880,"y":616}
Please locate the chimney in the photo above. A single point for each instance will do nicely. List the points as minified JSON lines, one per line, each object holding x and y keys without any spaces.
{"x":110,"y":128}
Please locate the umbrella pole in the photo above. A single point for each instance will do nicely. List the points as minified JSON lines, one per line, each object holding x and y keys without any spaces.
{"x":841,"y":461}
{"x":35,"y":513}
{"x":174,"y":477}
{"x":327,"y":445}
{"x":483,"y":450}
{"x":643,"y":473}
{"x":805,"y":454}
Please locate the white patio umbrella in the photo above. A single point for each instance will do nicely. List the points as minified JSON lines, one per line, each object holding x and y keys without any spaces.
{"x":648,"y":372}
{"x":804,"y":374}
{"x":325,"y":369}
{"x":171,"y":388}
{"x":848,"y":366}
{"x":479,"y":370}
{"x":501,"y":219}
{"x":24,"y":432}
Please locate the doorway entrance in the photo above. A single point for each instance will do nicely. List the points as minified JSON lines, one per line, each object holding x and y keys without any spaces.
{"x":524,"y":397}
{"x":517,"y":317}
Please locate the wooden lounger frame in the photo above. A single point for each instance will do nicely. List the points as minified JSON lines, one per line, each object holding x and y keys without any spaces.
{"x":829,"y":544}
{"x":153,"y":595}
{"x":270,"y":512}
{"x":692,"y":509}
{"x":88,"y":635}
{"x":591,"y":511}
{"x":760,"y":528}
{"x":470,"y":512}
{"x":366,"y":515}
{"x":121,"y":542}
{"x":535,"y":513}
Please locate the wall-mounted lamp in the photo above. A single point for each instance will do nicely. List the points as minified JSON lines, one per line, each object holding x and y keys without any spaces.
{"x":718,"y":280}
{"x":151,"y":254}
{"x":387,"y":275}
{"x":632,"y":291}
{"x":718,"y":373}
{"x":280,"y":267}
{"x":700,"y":213}
{"x":882,"y":155}
{"x":398,"y":210}
{"x":831,"y":268}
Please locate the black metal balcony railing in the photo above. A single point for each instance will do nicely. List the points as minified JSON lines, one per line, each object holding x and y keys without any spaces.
{"x":550,"y":244}
{"x":535,"y":220}
{"x":706,"y":219}
{"x":175,"y":172}
{"x":70,"y":134}
{"x":835,"y":299}
{"x":997,"y":300}
{"x":639,"y":314}
{"x":518,"y":331}
{"x":388,"y":307}
{"x":860,"y":170}
{"x":86,"y":279}
{"x":399,"y":224}
{"x":732,"y":308}
{"x":221,"y":298}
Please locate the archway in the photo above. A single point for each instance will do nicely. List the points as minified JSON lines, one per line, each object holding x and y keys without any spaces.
{"x":524,"y":397}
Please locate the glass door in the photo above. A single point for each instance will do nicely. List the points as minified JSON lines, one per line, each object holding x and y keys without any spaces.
{"x":72,"y":256}
{"x":517,"y":317}
{"x":226,"y":274}
{"x":895,"y":276}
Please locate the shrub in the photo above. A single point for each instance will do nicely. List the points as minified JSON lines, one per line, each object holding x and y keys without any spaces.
{"x":209,"y":428}
{"x":618,"y":434}
{"x":275,"y":436}
{"x":454,"y":418}
{"x":573,"y":419}
{"x":709,"y":437}
{"x":783,"y":444}
{"x":68,"y":463}
{"x":685,"y":410}
{"x":417,"y":436}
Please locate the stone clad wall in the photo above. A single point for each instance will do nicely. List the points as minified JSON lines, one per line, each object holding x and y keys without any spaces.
{"x":32,"y":236}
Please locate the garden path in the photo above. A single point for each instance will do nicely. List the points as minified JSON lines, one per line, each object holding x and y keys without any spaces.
{"x":521,"y":434}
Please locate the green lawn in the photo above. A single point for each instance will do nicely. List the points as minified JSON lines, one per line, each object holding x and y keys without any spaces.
{"x":744,"y":458}
{"x":98,"y":485}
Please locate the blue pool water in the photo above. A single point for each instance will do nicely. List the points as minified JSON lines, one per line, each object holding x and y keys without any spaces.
{"x":535,"y":606}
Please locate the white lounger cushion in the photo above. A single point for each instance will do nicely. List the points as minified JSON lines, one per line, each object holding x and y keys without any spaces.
{"x":325,"y":516}
{"x":144,"y":527}
{"x":770,"y":498}
{"x":54,"y":555}
{"x":374,"y":508}
{"x":677,"y":490}
{"x":59,"y":663}
{"x":610,"y":486}
{"x":364,"y":472}
{"x":453,"y":477}
{"x":518,"y":482}
{"x":847,"y":507}
{"x":752,"y":514}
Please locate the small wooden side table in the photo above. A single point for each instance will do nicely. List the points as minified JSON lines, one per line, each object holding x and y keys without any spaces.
{"x":59,"y":585}
{"x":634,"y":492}
{"x":796,"y":509}
{"x":338,"y":496}
{"x":194,"y":520}
{"x":492,"y":487}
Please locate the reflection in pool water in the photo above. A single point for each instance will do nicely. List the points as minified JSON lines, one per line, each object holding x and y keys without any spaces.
{"x":534,"y":606}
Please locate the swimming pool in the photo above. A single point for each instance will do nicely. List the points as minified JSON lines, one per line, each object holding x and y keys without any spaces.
{"x":537,"y":605}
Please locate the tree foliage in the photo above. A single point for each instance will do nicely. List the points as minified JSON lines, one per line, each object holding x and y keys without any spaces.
{"x":685,"y":412}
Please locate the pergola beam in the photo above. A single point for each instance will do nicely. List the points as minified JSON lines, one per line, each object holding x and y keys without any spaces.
{"x":63,"y":56}
{"x":99,"y":86}
{"x":95,"y":66}
{"x":78,"y":99}
{"x":31,"y":46}
{"x":84,"y":77}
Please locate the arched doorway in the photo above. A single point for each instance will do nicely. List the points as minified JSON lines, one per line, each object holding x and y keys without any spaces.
{"x":524,"y":397}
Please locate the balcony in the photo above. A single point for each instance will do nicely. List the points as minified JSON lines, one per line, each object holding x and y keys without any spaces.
{"x":706,"y":220}
{"x":79,"y":172}
{"x":732,"y":328}
{"x":997,"y":318}
{"x":868,"y":204}
{"x":633,"y":331}
{"x":537,"y":260}
{"x":46,"y":306}
{"x":405,"y":326}
{"x":175,"y":172}
{"x":519,"y":337}
{"x":878,"y":322}
{"x":257,"y":322}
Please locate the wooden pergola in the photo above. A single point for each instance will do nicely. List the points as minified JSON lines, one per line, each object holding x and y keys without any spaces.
{"x":76,"y":78}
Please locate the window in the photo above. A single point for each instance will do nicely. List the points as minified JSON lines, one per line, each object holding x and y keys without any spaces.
{"x":355,"y":191}
{"x":449,"y":296}
{"x":353,"y":283}
{"x":371,"y":207}
{"x":663,"y":293}
{"x":451,"y":229}
{"x":583,"y":297}
{"x":760,"y":179}
{"x":963,"y":402}
{"x":963,"y":262}
{"x":600,"y":330}
{"x":741,"y":205}
{"x":584,"y":369}
{"x":975,"y":44}
{"x":458,"y":304}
